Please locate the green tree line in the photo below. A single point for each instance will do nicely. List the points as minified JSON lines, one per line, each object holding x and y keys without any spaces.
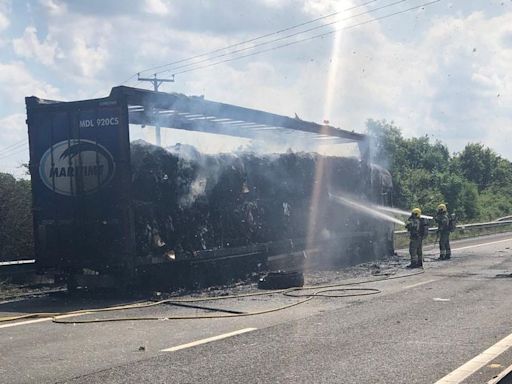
{"x":476,"y":183}
{"x":15,"y":218}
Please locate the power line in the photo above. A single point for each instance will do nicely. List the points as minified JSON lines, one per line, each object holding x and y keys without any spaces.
{"x":13,"y":148}
{"x":12,"y":155}
{"x":13,"y":145}
{"x":131,"y":77}
{"x":16,"y":152}
{"x":251,"y":40}
{"x":309,"y":38}
{"x":286,"y":37}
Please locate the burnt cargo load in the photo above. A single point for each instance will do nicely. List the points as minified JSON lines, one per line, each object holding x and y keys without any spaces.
{"x":108,"y":210}
{"x":188,"y":204}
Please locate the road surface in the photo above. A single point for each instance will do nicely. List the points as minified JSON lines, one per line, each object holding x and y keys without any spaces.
{"x":450,"y":324}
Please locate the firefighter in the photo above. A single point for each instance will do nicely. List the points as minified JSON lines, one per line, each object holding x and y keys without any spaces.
{"x":443,"y":232}
{"x":414,"y":226}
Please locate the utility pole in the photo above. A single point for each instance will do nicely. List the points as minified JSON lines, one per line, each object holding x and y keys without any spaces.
{"x":156,"y":84}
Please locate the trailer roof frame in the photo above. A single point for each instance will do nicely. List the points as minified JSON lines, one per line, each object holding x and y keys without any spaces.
{"x":195,"y":113}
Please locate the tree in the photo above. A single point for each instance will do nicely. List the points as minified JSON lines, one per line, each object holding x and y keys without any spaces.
{"x":422,"y":154}
{"x":479,"y":165}
{"x":475,"y":184}
{"x":420,"y":190}
{"x":460,"y":195}
{"x":468,"y":206}
{"x":15,"y":218}
{"x":413,"y":164}
{"x":386,"y":144}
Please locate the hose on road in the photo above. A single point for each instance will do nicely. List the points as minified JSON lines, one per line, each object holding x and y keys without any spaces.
{"x":303,"y":293}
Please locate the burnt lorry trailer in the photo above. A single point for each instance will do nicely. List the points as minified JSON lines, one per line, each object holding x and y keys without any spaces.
{"x":112,"y":208}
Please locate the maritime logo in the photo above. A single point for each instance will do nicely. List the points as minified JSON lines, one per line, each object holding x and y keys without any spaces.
{"x":73,"y":167}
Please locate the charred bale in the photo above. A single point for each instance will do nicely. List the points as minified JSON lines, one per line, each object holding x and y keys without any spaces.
{"x":187,"y":203}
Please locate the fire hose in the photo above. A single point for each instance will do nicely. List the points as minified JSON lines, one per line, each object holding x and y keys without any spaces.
{"x":320,"y":291}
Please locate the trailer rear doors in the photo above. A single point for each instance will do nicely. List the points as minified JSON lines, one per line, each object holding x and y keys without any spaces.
{"x":80,"y":168}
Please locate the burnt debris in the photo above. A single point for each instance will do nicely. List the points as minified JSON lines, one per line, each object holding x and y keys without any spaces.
{"x":188,"y":204}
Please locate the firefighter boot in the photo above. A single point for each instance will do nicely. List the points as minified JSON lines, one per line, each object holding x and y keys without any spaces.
{"x":415,"y":262}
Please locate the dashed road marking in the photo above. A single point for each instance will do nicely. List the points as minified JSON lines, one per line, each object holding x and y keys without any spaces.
{"x":27,"y":322}
{"x":420,"y":283}
{"x":473,"y":365}
{"x":208,"y":340}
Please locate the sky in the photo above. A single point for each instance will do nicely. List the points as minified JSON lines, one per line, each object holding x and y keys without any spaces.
{"x":440,"y":69}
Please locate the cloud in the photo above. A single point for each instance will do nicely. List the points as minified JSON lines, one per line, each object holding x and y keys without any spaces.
{"x":12,"y":128}
{"x":323,"y":7}
{"x":277,"y":3}
{"x":4,"y":21}
{"x":4,"y":15}
{"x":84,"y":46}
{"x":28,"y":46}
{"x":54,"y":7}
{"x":14,"y":147}
{"x":157,"y":7}
{"x":89,"y":59}
{"x":443,"y":72}
{"x":452,"y":81}
{"x":471,"y":82}
{"x":16,"y":82}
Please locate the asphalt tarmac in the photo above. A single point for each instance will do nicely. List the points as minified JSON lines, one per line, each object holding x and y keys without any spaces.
{"x":418,"y":329}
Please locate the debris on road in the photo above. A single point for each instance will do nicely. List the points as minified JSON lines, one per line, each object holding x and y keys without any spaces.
{"x":281,"y":280}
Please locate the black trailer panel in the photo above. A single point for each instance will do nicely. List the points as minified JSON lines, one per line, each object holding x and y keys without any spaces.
{"x":80,"y":169}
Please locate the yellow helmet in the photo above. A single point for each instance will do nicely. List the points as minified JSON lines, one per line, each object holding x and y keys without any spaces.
{"x":441,"y":207}
{"x":416,"y":212}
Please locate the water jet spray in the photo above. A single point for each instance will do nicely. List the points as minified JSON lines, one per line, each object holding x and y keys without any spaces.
{"x":365,"y":208}
{"x":399,"y":211}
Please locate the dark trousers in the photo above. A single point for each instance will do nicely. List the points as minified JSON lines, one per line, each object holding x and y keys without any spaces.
{"x":444,"y":245}
{"x":416,"y":251}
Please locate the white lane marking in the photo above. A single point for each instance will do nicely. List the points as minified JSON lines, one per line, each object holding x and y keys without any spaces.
{"x":420,"y":283}
{"x":16,"y":262}
{"x":26,"y":322}
{"x":473,"y":365}
{"x":481,"y":245}
{"x":208,"y":340}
